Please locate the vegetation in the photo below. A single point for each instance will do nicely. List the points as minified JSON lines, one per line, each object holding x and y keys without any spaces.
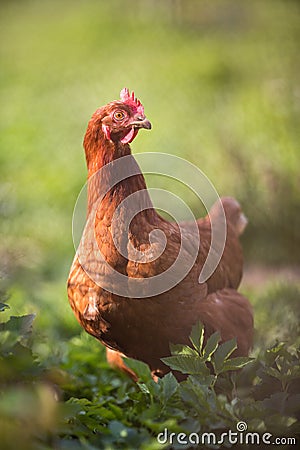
{"x":66,"y":397}
{"x":220,"y":83}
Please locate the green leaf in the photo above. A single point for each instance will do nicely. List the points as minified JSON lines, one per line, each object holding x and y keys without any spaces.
{"x":207,"y":380}
{"x":273,"y":352}
{"x":144,"y":388}
{"x":222,"y":354}
{"x":20,"y":324}
{"x":8,"y":340}
{"x":194,"y":391}
{"x":3,"y":307}
{"x":276,"y":348}
{"x":211,"y":345}
{"x":273,"y":373}
{"x":140,"y":368}
{"x":236,"y":363}
{"x":116,"y":410}
{"x":276,"y":402}
{"x":82,"y":402}
{"x":118,"y":429}
{"x":169,"y":386}
{"x":186,"y":364}
{"x":178,"y":349}
{"x":197,"y":336}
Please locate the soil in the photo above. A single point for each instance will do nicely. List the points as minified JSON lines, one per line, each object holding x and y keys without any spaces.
{"x":259,"y":275}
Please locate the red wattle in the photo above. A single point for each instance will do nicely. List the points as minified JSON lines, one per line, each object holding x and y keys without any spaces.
{"x":129,"y":136}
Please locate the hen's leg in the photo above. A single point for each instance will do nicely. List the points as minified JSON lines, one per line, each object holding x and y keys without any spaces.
{"x":115,"y":360}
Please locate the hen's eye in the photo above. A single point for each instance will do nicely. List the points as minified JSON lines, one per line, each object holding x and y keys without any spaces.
{"x":119,"y":115}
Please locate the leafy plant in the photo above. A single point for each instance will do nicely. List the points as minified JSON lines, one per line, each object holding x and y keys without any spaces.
{"x":81,"y":403}
{"x":194,"y":360}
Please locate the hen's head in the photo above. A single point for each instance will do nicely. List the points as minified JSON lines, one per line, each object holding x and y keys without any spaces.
{"x":121,"y":120}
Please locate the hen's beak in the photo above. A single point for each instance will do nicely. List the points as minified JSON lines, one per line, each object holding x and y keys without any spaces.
{"x":142,"y":123}
{"x":133,"y":127}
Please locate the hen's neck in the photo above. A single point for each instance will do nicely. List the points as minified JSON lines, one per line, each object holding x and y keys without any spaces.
{"x":103,"y":168}
{"x":99,"y":151}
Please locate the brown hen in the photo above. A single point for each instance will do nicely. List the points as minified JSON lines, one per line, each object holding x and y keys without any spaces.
{"x":124,"y":285}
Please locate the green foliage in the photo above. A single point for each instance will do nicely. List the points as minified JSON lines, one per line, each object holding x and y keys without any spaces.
{"x":17,"y":361}
{"x":281,"y":303}
{"x":80,"y":403}
{"x":220,"y":88}
{"x":194,"y":361}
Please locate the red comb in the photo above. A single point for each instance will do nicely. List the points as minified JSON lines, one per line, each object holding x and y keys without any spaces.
{"x":131,"y":100}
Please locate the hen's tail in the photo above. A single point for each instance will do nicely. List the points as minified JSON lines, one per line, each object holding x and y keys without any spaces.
{"x":231,"y":314}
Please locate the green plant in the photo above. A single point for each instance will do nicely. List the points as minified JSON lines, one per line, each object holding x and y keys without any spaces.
{"x":76,"y":401}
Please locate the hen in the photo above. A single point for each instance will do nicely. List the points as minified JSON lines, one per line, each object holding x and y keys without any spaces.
{"x":126,"y":245}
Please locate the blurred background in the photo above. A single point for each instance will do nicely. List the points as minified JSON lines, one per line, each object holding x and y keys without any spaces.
{"x":220,"y":84}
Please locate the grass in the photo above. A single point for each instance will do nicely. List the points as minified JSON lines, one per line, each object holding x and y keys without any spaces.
{"x":219,"y":81}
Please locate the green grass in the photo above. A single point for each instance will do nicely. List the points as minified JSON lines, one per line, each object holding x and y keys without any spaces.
{"x":220,"y":84}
